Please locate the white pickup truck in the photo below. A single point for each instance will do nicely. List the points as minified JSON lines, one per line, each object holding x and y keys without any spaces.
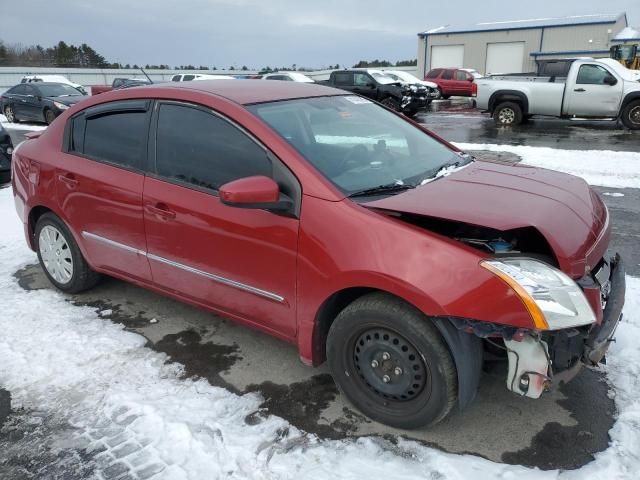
{"x":594,"y":89}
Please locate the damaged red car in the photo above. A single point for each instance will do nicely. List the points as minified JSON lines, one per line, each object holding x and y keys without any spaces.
{"x":326,"y":220}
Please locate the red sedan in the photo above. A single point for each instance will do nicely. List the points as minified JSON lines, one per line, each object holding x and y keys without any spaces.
{"x":332,"y":223}
{"x":453,"y":82}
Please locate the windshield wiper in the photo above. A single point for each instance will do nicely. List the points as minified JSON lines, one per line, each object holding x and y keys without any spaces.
{"x":389,"y":188}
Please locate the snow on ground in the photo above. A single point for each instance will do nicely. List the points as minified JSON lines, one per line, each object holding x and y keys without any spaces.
{"x":132,"y":412}
{"x":598,"y":167}
{"x":21,"y":126}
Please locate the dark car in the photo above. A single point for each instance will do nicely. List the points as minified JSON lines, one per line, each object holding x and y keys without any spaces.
{"x":374,"y":84}
{"x":41,"y":102}
{"x":324,"y":219}
{"x":6,"y":149}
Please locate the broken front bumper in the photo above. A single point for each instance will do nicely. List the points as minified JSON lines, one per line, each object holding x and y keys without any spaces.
{"x":538,"y":362}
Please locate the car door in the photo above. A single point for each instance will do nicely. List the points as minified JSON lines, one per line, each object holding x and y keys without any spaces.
{"x":99,"y":185}
{"x":591,"y":95}
{"x":241,"y":262}
{"x":343,"y":80}
{"x":365,"y":85}
{"x":463,"y":81}
{"x":447,"y":82}
{"x":32,"y":105}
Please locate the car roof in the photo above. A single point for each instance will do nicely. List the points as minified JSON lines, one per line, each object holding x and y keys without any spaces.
{"x":248,"y":92}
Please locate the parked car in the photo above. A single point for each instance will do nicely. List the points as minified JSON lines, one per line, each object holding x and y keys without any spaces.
{"x":120,"y":83}
{"x":38,"y":102}
{"x":6,"y":149}
{"x":188,"y":77}
{"x":593,"y":89}
{"x":53,"y":79}
{"x":323,"y":219}
{"x":288,"y":76}
{"x":453,"y":82}
{"x":377,"y":86}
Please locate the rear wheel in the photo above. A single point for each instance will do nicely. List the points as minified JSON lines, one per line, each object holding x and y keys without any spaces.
{"x":507,"y":114}
{"x":49,"y":116}
{"x":9,"y":113}
{"x":60,"y":257}
{"x":631,"y":115}
{"x":391,"y":362}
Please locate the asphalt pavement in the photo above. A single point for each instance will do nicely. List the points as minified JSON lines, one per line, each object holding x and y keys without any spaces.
{"x":564,"y":429}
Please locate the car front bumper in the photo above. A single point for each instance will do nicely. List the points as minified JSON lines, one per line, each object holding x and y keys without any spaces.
{"x":540,"y":362}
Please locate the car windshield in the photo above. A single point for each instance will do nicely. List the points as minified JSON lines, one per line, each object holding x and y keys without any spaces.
{"x":382,"y":78}
{"x":58,"y":90}
{"x":357,"y":144}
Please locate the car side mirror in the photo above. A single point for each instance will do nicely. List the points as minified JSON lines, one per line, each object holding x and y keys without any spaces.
{"x":610,"y":80}
{"x":371,"y":85}
{"x":470,"y":79}
{"x":257,"y":192}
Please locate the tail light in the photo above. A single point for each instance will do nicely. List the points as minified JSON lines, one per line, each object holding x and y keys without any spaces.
{"x":474,"y":89}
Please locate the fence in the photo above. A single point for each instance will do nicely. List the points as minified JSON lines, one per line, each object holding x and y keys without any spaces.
{"x":10,"y":76}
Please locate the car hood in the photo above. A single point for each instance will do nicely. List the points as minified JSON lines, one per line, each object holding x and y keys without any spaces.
{"x":67,"y":100}
{"x":563,"y":208}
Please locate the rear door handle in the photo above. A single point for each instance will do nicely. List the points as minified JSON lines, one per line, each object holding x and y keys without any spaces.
{"x":68,"y":179}
{"x":161,"y":210}
{"x":579,"y":90}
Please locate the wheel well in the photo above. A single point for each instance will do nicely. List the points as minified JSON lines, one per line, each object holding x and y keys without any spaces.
{"x":509,"y":96}
{"x":34,"y":215}
{"x":327,"y":313}
{"x":629,"y":98}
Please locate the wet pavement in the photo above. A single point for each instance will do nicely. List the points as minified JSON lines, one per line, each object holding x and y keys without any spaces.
{"x":457,"y":121}
{"x":564,"y":429}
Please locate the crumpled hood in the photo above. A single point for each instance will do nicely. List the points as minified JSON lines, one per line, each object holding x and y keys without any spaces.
{"x":563,"y":208}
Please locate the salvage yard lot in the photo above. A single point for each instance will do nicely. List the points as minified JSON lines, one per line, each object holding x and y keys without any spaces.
{"x":90,"y":398}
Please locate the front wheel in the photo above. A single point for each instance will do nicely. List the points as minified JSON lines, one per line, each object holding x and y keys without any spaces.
{"x":631,"y":115}
{"x":507,"y":114}
{"x":60,"y":257}
{"x":391,"y":103}
{"x":391,"y":362}
{"x":49,"y":116}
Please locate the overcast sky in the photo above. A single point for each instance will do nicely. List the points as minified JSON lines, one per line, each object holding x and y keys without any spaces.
{"x":258,"y":33}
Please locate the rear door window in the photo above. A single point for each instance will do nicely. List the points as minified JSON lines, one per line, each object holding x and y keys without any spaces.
{"x":343,"y":78}
{"x":115,"y":134}
{"x":18,"y":90}
{"x":196,"y":147}
{"x":447,"y":75}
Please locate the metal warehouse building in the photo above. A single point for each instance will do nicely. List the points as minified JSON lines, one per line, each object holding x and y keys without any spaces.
{"x":515,"y":46}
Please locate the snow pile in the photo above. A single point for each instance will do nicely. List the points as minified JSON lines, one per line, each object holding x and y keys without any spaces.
{"x":135,"y":414}
{"x":598,"y":167}
{"x":21,"y":126}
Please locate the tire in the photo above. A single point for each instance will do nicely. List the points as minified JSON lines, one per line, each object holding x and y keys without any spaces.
{"x":631,"y":115}
{"x":424,"y":389}
{"x":391,"y":103}
{"x":49,"y":116}
{"x":508,"y":114}
{"x":11,"y":116}
{"x":60,"y":258}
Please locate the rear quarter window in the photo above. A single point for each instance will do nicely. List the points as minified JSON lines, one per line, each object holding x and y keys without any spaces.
{"x":343,"y":78}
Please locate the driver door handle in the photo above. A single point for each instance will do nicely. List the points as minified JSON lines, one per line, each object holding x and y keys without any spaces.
{"x":161,"y":210}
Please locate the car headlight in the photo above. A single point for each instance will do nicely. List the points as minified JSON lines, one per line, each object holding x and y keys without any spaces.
{"x":413,"y":88}
{"x":60,"y":106}
{"x":9,"y":150}
{"x":553,"y":299}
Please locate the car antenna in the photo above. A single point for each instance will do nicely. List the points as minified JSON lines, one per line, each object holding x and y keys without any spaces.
{"x":145,"y":74}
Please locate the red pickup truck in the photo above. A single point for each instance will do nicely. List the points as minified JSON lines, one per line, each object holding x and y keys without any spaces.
{"x":326,"y":220}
